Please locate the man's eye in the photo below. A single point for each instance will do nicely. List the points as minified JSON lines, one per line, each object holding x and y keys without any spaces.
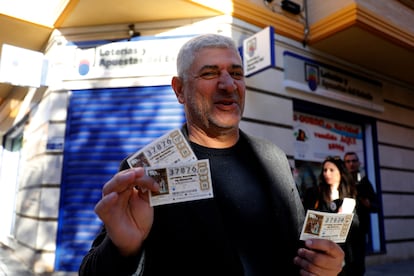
{"x":237,"y":75}
{"x":210,"y":75}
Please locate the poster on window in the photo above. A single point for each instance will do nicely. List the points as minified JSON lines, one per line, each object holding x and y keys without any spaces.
{"x":318,"y":137}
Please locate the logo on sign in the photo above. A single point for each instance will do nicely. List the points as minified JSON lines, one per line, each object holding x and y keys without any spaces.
{"x":312,"y":76}
{"x":251,"y":46}
{"x":83,"y":67}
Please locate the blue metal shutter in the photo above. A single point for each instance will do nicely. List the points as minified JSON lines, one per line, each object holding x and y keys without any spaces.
{"x":103,"y":127}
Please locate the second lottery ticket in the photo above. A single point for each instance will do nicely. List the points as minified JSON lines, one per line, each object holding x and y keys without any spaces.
{"x":171,"y":148}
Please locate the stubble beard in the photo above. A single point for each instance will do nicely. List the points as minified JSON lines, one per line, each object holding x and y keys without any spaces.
{"x":209,"y":121}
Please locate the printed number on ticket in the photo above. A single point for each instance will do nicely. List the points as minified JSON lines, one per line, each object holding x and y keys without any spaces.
{"x":323,"y":225}
{"x":181,"y":182}
{"x":171,"y":148}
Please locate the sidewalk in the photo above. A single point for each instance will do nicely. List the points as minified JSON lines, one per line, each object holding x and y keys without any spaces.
{"x":403,"y":268}
{"x":11,"y":266}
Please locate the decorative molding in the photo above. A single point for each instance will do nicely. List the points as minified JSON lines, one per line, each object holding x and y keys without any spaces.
{"x":259,"y":15}
{"x":384,"y":28}
{"x":408,"y":3}
{"x":333,"y":23}
{"x":263,"y":17}
{"x":355,"y":15}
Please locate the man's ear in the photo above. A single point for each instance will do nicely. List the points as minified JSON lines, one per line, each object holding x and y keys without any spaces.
{"x":177,"y":85}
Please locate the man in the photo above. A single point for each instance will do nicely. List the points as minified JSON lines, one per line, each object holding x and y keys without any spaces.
{"x":367,"y":203}
{"x":250,"y":227}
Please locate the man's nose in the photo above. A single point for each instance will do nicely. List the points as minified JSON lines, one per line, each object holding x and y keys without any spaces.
{"x":226,"y":81}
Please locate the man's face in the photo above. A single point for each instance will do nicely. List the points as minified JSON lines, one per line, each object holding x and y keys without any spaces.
{"x":352,"y":163}
{"x":214,"y":94}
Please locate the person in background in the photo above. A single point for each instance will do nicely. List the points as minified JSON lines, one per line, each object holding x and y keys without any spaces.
{"x":252,"y":224}
{"x":335,"y":184}
{"x":367,"y":203}
{"x":305,"y":178}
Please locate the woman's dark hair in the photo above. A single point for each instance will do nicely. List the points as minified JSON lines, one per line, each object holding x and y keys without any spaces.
{"x":346,"y":186}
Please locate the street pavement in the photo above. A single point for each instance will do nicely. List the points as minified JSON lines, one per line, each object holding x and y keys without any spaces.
{"x":10,"y":265}
{"x":402,"y":268}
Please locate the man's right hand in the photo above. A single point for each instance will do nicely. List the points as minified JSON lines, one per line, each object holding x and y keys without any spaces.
{"x":125,"y":210}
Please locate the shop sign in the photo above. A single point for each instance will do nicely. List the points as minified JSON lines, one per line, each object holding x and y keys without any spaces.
{"x":145,"y":57}
{"x":258,"y":52}
{"x":310,"y":76}
{"x":22,"y":67}
{"x":55,"y":143}
{"x":318,"y":137}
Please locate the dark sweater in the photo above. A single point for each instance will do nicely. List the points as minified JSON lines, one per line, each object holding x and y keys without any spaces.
{"x":250,"y":227}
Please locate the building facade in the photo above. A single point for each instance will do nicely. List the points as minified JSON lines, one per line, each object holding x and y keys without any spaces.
{"x":106,"y":97}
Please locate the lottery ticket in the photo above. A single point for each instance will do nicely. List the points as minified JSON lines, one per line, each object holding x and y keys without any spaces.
{"x":323,"y":225}
{"x":181,"y":182}
{"x":171,"y":148}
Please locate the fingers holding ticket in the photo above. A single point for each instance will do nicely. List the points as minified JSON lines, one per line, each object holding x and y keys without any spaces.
{"x":122,"y":190}
{"x":320,"y":257}
{"x":125,"y":210}
{"x":127,"y":180}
